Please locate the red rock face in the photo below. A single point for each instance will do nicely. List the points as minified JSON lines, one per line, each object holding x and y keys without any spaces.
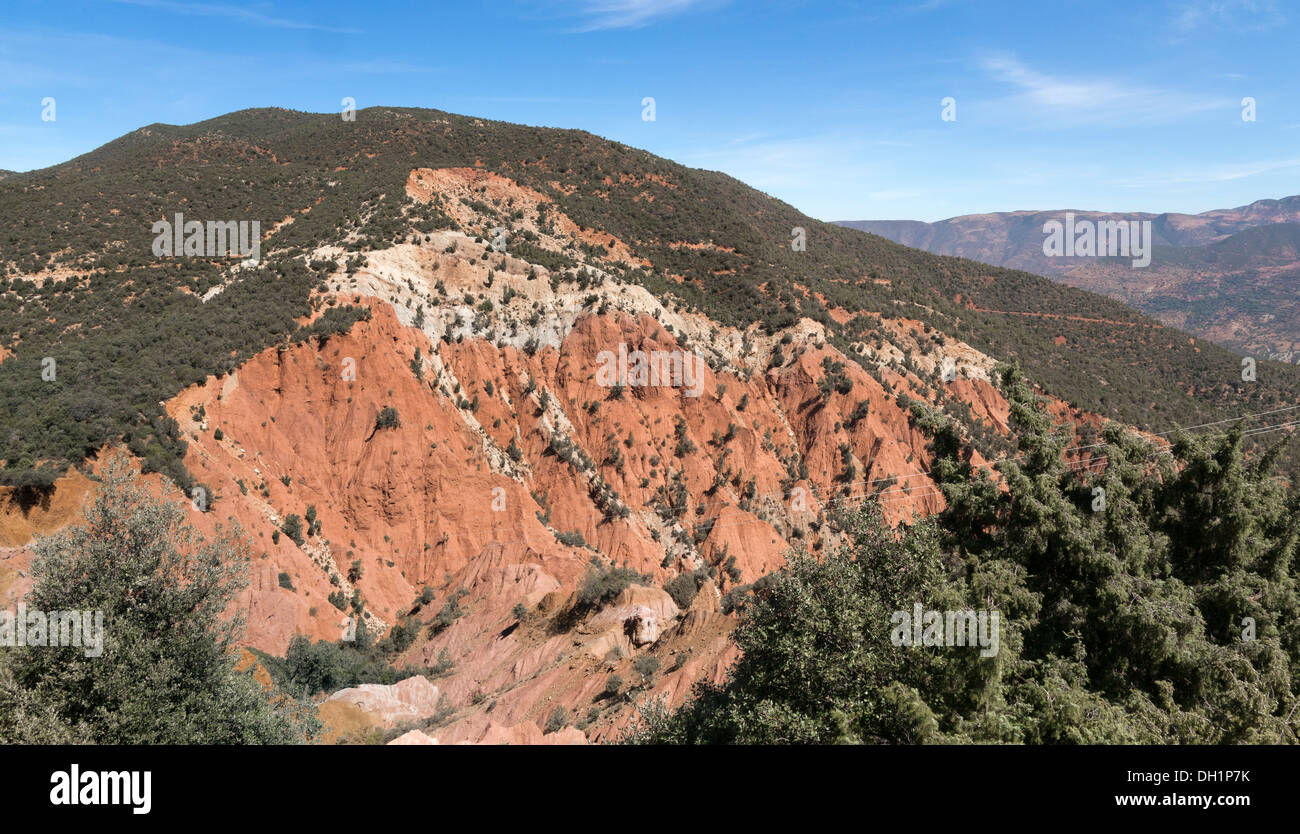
{"x":427,"y":495}
{"x":497,"y":467}
{"x":474,"y":500}
{"x":436,"y":501}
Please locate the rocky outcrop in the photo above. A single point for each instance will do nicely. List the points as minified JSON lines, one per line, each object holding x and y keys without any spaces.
{"x":513,"y":469}
{"x":412,"y":699}
{"x":414,"y":737}
{"x":525,"y":733}
{"x":639,"y":612}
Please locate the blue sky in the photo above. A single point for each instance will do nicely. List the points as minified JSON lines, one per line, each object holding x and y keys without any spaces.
{"x":834,"y":107}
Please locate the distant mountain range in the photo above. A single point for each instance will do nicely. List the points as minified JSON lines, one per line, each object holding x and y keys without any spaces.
{"x":1225,"y":275}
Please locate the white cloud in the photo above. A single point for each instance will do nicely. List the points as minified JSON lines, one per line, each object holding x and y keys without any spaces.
{"x":824,"y":176}
{"x":628,"y":14}
{"x":1075,"y":100}
{"x":234,"y":13}
{"x":1232,"y":14}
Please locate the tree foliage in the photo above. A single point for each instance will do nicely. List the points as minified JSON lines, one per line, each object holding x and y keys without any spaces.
{"x":167,"y":671}
{"x":1165,"y":613}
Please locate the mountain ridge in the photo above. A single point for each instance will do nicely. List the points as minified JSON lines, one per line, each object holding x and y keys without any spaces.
{"x":400,"y":402}
{"x":1221,"y":275}
{"x":1174,"y":228}
{"x":334,"y":178}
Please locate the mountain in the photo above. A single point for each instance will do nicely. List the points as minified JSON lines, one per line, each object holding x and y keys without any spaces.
{"x":717,"y":245}
{"x":1238,"y":291}
{"x":406,"y":401}
{"x":1015,"y":238}
{"x":1212,"y":274}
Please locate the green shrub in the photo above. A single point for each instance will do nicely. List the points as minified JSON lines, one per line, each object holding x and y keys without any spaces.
{"x":169,"y":649}
{"x":292,"y":528}
{"x":601,"y":586}
{"x":646,"y":666}
{"x":1116,"y":623}
{"x":683,"y":588}
{"x":387,"y":419}
{"x":556,"y":721}
{"x":572,"y":538}
{"x":450,"y":612}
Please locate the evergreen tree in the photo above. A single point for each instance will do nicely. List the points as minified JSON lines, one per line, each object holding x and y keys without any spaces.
{"x":1151,"y":601}
{"x":167,"y":671}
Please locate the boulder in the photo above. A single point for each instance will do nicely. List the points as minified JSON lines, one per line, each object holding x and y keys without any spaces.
{"x":413,"y":699}
{"x":642,"y":626}
{"x":641,"y":613}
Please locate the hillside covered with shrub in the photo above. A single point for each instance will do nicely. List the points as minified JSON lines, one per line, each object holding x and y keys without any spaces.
{"x":1166,"y":614}
{"x":127,"y":330}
